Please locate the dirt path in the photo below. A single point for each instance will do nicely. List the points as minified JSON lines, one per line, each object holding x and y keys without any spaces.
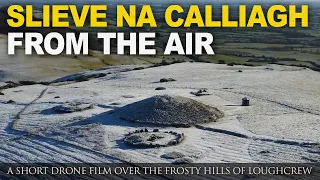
{"x":18,"y":116}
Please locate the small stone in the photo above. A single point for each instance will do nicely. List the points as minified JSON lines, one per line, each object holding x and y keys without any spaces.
{"x":163,"y":80}
{"x":172,"y":143}
{"x":167,"y":80}
{"x":160,"y":88}
{"x":201,"y":92}
{"x":264,"y":152}
{"x":115,"y":104}
{"x":11,"y":102}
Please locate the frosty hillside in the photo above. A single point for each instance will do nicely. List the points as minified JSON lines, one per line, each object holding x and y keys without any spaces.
{"x":282,"y":123}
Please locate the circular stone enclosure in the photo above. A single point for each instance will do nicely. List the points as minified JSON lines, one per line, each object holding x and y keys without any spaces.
{"x":152,"y":139}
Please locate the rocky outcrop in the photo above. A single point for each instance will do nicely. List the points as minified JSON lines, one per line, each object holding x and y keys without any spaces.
{"x":182,"y":161}
{"x":72,"y":107}
{"x":173,"y":155}
{"x":167,"y":80}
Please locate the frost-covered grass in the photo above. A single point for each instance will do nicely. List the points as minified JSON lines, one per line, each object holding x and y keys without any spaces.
{"x":281,"y":125}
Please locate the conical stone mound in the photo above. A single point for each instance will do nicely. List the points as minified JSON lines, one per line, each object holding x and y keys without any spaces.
{"x":169,"y":110}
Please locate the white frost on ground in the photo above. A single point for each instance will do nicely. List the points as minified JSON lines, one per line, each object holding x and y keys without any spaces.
{"x":281,"y":125}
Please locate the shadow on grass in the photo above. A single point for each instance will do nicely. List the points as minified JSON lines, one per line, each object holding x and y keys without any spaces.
{"x":48,"y":112}
{"x":109,"y":119}
{"x":124,"y":146}
{"x":233,"y":105}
